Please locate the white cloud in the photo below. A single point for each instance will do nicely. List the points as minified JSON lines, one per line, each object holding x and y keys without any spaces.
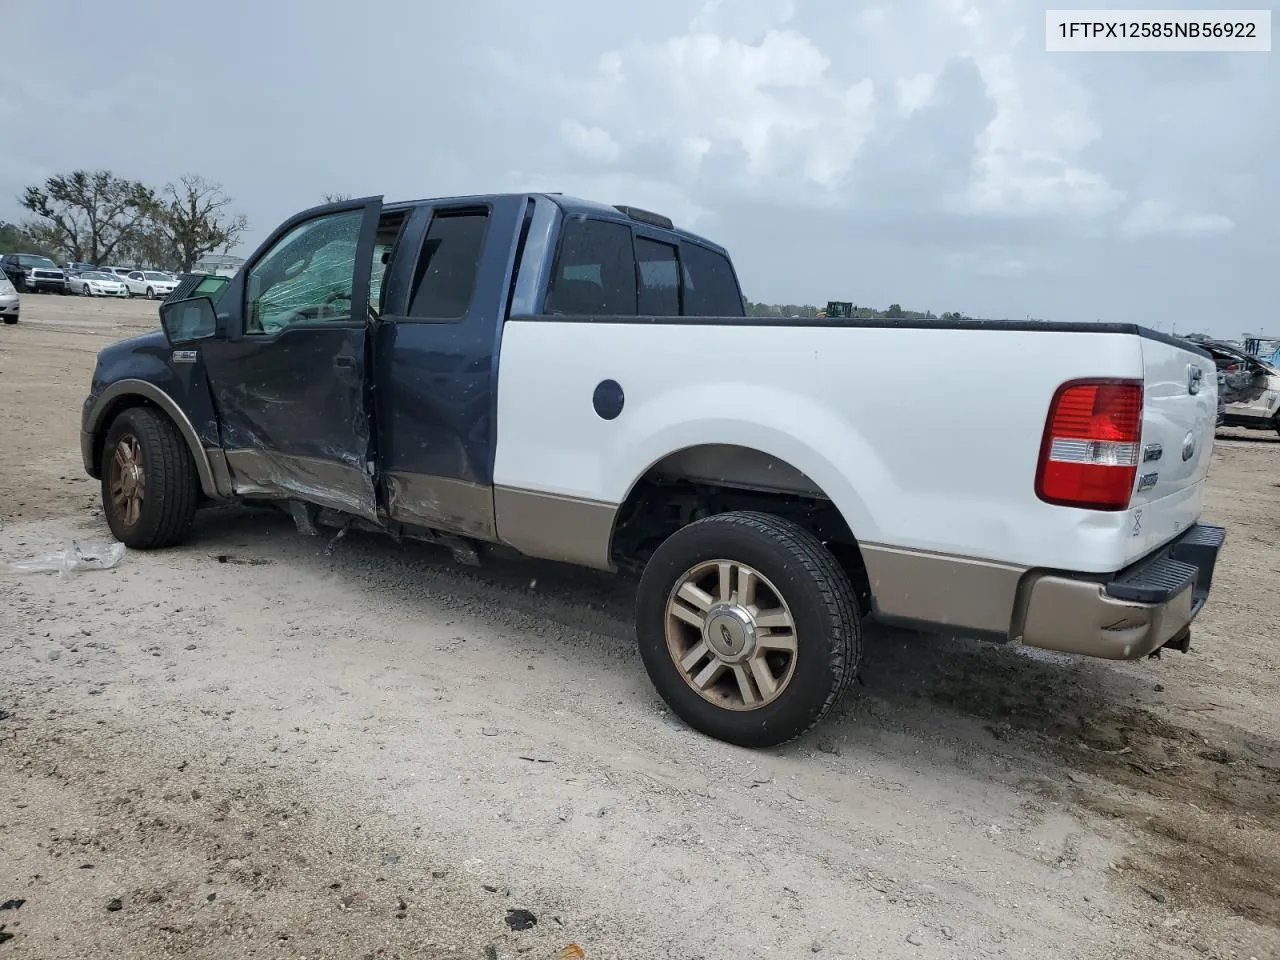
{"x":928,"y":153}
{"x":915,"y":92}
{"x":590,"y":143}
{"x":1154,"y":218}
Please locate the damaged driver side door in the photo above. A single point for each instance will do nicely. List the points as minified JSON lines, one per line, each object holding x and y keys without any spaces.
{"x":290,"y":379}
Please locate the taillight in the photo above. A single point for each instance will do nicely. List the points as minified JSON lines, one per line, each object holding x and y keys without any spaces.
{"x":1089,"y":456}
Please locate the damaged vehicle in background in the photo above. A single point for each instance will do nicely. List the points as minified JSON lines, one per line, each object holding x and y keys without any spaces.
{"x":1248,"y":387}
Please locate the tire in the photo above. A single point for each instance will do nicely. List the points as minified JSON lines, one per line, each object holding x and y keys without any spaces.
{"x":151,"y":294}
{"x":794,"y":569}
{"x":10,"y":321}
{"x":84,"y":290}
{"x":171,"y":487}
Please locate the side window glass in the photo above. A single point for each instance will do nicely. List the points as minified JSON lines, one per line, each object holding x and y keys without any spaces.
{"x":595,"y":273}
{"x":659,"y":278}
{"x":710,"y":289}
{"x":444,"y":279}
{"x":307,"y":276}
{"x":390,"y":228}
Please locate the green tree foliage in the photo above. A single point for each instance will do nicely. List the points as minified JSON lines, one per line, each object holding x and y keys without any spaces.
{"x":88,"y":214}
{"x":192,"y":216}
{"x":808,"y":310}
{"x":96,"y":217}
{"x":16,"y":239}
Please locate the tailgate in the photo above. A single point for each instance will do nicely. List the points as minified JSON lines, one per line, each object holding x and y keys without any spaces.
{"x":1180,"y":402}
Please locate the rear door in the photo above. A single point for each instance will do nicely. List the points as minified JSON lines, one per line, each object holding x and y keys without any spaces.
{"x":290,"y":382}
{"x":1178,"y":417}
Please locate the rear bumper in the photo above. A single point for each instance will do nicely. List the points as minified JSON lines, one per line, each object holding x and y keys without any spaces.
{"x":1134,"y":612}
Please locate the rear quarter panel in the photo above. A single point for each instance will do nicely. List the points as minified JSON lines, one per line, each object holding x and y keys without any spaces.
{"x":924,"y":438}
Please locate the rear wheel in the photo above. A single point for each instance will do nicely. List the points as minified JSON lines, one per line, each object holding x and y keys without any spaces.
{"x":748,"y":627}
{"x":149,"y":482}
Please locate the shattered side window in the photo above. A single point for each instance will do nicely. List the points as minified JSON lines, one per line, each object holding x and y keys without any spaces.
{"x":308,"y":276}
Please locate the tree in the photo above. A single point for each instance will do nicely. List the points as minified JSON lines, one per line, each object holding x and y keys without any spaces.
{"x":149,"y":245}
{"x":336,"y":197}
{"x":16,"y":239}
{"x":86,"y":215}
{"x":191,"y":216}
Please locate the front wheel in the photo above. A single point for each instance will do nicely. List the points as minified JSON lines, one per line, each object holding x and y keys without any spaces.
{"x":748,"y":627}
{"x":149,"y":482}
{"x":151,"y":294}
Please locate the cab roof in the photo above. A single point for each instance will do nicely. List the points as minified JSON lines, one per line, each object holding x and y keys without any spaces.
{"x":571,"y":206}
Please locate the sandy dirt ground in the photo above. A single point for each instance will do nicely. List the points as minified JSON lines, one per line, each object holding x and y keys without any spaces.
{"x":253,"y":746}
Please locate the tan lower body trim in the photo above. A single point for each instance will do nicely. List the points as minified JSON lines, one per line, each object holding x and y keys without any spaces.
{"x":942,"y":589}
{"x":1077,"y":616}
{"x":441,"y":503}
{"x":257,"y":472}
{"x":554,"y":527}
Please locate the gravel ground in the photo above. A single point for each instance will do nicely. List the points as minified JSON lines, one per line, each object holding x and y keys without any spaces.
{"x":254,"y":746}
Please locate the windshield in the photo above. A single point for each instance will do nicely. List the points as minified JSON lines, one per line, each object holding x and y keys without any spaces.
{"x":96,"y":275}
{"x":39,"y":262}
{"x":156,"y":276}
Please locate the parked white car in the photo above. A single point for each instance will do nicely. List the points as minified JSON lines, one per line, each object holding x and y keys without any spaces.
{"x":149,"y":284}
{"x":10,"y":302}
{"x":97,"y":283}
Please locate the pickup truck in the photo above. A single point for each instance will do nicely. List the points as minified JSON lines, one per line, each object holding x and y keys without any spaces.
{"x":561,"y":379}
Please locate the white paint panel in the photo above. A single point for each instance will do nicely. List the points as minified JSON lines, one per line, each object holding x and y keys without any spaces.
{"x":1170,"y":412}
{"x":924,"y":439}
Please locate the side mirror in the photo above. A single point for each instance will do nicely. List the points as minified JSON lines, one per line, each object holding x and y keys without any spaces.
{"x":187,"y":320}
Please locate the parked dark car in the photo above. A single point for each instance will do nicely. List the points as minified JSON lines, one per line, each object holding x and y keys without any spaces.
{"x":32,"y":272}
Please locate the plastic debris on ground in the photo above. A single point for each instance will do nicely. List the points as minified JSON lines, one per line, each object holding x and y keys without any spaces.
{"x":77,"y":555}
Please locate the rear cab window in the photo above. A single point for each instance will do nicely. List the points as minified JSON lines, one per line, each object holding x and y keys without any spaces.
{"x":610,"y":268}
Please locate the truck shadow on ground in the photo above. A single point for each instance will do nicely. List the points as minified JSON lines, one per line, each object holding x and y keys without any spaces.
{"x":1202,"y":795}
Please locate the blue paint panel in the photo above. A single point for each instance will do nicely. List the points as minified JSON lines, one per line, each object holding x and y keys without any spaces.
{"x":148,"y":358}
{"x":608,"y":399}
{"x":435,"y":382}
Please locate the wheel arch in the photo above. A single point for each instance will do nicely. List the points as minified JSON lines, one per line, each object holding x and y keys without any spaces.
{"x":709,"y":478}
{"x":128,"y":394}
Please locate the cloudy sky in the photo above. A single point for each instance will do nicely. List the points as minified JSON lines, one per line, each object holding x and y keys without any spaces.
{"x":926,"y":152}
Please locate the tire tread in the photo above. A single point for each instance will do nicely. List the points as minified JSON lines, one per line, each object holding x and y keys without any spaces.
{"x":833,"y":585}
{"x":171,"y":477}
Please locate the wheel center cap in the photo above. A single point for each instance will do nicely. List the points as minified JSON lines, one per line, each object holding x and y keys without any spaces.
{"x":730,"y":632}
